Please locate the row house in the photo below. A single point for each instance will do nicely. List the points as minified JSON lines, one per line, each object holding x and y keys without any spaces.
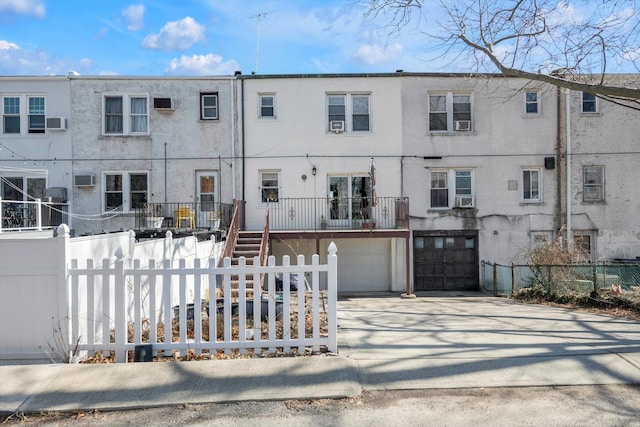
{"x":146,"y":147}
{"x":418,"y":177}
{"x":35,"y":149}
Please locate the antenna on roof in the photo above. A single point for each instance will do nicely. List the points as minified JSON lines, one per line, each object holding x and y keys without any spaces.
{"x":259,"y":16}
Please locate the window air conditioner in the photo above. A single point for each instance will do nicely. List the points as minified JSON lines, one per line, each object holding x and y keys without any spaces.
{"x":464,"y":201}
{"x":336,"y":126}
{"x":463,"y":124}
{"x":56,"y":123}
{"x":163,"y":103}
{"x":84,"y":180}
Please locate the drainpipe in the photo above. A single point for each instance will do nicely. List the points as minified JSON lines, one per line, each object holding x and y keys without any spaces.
{"x":233,"y":137}
{"x":558,"y":157}
{"x":242,"y":127}
{"x":568,"y":131}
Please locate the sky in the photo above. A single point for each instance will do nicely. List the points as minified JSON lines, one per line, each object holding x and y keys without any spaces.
{"x":200,"y":37}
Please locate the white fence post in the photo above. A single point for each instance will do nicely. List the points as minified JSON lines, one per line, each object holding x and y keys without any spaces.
{"x":120,"y":303}
{"x":39,"y":214}
{"x":64,"y":282}
{"x":332,"y":288}
{"x":1,"y":215}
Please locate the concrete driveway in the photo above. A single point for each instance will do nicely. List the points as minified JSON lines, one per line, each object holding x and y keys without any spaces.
{"x":453,"y":340}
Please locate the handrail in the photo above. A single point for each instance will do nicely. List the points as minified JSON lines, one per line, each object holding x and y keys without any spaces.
{"x":264,"y":245}
{"x":232,"y":236}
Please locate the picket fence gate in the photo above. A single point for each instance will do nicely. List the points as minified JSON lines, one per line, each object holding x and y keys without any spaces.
{"x":109,"y":301}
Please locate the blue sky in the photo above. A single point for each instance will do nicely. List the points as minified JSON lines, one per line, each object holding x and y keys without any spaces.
{"x":199,"y":37}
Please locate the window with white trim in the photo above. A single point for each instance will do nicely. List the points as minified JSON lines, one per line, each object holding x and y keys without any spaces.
{"x":124,"y":191}
{"x":11,"y":114}
{"x":352,"y":110}
{"x":267,"y":105}
{"x":531,"y":185}
{"x":532,"y":103}
{"x":209,"y":106}
{"x":452,"y":188}
{"x":589,"y":103}
{"x":593,"y":183}
{"x":36,"y":114}
{"x":269,"y":186}
{"x":450,"y":112}
{"x":126,"y":115}
{"x":23,"y":114}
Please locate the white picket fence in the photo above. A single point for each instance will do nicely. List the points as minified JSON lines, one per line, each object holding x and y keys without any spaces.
{"x":107,"y":301}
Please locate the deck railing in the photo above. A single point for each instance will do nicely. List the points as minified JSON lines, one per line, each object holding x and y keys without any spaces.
{"x":339,"y":213}
{"x":32,"y":215}
{"x":203,"y":215}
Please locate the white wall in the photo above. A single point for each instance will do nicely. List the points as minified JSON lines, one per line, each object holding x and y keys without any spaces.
{"x":610,"y":139}
{"x":39,"y":155}
{"x":502,"y":142}
{"x":178,"y":144}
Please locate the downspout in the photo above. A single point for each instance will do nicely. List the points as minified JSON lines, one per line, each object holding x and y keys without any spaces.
{"x":568,"y":132}
{"x":233,"y":145}
{"x":242,"y":127}
{"x":558,"y":157}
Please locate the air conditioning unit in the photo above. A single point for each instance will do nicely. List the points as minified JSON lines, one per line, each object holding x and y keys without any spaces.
{"x":463,"y":124}
{"x":464,"y":201}
{"x":336,"y":126}
{"x":163,"y":104}
{"x":56,"y":194}
{"x":84,"y":180}
{"x":56,"y":123}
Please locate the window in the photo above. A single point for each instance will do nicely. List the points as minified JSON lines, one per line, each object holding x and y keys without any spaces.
{"x":589,"y":103}
{"x":138,"y":115}
{"x":267,"y":105}
{"x":125,"y":192}
{"x":593,"y":183}
{"x":439,"y":190}
{"x":460,"y":196}
{"x":36,"y":114}
{"x":126,"y":115}
{"x":11,"y":115}
{"x":353,"y":110}
{"x":209,"y":106}
{"x":269,"y":186}
{"x":449,"y":112}
{"x":531,"y":103}
{"x":582,"y":243}
{"x":531,"y":185}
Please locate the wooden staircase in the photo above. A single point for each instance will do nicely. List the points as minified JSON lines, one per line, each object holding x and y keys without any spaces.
{"x":248,"y":246}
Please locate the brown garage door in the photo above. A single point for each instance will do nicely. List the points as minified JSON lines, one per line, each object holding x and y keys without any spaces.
{"x":446,"y":260}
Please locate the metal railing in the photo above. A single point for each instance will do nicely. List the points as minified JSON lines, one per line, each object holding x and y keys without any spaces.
{"x":33,"y":215}
{"x":338,"y":213}
{"x":207,"y":215}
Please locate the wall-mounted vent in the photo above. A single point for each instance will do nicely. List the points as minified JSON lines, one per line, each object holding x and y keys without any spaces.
{"x":56,"y":123}
{"x":163,"y":104}
{"x":84,"y":180}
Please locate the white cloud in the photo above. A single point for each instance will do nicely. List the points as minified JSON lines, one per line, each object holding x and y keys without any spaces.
{"x":5,"y":45}
{"x":199,"y":65}
{"x":176,"y":35}
{"x":374,"y":54}
{"x":23,"y":7}
{"x":134,"y":16}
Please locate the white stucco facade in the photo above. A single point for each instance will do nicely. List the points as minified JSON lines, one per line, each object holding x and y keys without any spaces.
{"x":176,"y":145}
{"x":34,"y":156}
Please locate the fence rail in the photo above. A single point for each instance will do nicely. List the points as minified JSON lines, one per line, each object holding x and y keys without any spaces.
{"x":561,"y":279}
{"x":122,"y":304}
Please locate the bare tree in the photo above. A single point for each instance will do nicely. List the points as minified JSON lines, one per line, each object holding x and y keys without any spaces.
{"x":571,"y":45}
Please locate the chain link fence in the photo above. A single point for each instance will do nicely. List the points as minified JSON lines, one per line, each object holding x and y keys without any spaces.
{"x":576,"y":280}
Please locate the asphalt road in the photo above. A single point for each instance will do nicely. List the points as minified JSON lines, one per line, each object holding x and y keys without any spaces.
{"x":609,"y":405}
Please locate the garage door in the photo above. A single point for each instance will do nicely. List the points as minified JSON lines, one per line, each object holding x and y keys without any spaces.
{"x":445,"y":260}
{"x":364,"y":265}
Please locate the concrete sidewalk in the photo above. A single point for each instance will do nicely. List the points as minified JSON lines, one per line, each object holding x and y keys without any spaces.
{"x":434,"y":341}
